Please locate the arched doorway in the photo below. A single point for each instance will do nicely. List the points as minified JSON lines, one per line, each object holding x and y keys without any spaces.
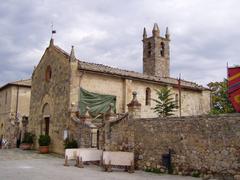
{"x":45,"y":126}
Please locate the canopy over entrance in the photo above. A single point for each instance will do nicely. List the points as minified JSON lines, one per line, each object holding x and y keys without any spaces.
{"x":98,"y":103}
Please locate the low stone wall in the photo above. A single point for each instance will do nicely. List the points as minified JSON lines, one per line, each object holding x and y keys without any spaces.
{"x":121,"y":136}
{"x":201,"y":144}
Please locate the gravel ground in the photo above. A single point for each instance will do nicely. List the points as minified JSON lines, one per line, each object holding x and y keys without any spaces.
{"x":16,"y":164}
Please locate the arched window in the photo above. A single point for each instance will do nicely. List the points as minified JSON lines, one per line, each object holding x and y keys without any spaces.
{"x":162,"y":49}
{"x":48,"y":74}
{"x":148,"y":97}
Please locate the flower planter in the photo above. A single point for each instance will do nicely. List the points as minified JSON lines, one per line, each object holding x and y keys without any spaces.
{"x":44,"y":149}
{"x":44,"y":141}
{"x":26,"y":146}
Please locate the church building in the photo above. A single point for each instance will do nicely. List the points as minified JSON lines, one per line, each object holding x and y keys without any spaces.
{"x":63,"y":84}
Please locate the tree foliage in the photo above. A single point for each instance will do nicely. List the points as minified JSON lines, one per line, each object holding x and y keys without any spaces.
{"x":165,"y":105}
{"x":220,"y":102}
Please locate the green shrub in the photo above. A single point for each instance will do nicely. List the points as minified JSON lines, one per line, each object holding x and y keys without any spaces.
{"x":153,"y":170}
{"x":44,"y":140}
{"x":156,"y":170}
{"x":196,"y":174}
{"x":28,"y":138}
{"x":70,"y":143}
{"x":148,"y":170}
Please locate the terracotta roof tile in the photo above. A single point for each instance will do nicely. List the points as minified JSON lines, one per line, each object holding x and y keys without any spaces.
{"x":100,"y":68}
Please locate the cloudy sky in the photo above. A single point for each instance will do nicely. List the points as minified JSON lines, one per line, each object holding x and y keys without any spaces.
{"x":205,"y":34}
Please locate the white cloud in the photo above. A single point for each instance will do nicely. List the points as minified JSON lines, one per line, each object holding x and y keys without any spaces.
{"x":204,"y":33}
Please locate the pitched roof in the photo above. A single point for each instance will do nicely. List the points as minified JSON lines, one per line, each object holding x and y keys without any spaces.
{"x":26,"y":82}
{"x":23,"y":83}
{"x":100,"y":68}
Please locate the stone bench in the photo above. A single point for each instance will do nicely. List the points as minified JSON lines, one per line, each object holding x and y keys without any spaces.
{"x":88,"y":155}
{"x":118,"y":158}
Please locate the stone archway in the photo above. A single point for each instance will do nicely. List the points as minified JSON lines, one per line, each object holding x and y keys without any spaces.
{"x":46,"y":114}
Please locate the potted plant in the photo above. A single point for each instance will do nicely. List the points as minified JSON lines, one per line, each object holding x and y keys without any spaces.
{"x":44,"y":141}
{"x":70,"y":143}
{"x":27,"y":141}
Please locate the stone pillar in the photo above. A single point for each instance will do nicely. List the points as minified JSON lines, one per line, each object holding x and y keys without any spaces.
{"x":87,"y":117}
{"x":109,"y":116}
{"x":134,"y":107}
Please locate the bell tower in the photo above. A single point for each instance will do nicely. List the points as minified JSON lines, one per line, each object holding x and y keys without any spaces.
{"x":156,"y":54}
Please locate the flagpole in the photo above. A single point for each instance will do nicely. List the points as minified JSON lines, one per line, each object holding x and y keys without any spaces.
{"x":227,"y":71}
{"x":227,"y":81}
{"x":180,"y":98}
{"x":53,"y":31}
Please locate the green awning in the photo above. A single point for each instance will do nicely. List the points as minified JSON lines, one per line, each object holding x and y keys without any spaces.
{"x":98,"y":103}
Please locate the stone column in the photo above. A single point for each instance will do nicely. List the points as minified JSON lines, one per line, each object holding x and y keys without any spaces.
{"x":134,"y":107}
{"x":109,"y":116}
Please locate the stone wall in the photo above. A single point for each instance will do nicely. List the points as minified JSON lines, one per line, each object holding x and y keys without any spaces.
{"x":80,"y":132}
{"x":209,"y":144}
{"x":24,"y":95}
{"x":5,"y":110}
{"x":117,"y":134}
{"x":10,"y":128}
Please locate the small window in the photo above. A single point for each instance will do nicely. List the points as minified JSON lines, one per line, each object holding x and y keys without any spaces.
{"x":48,"y":74}
{"x":176,"y":100}
{"x":149,"y":53}
{"x":149,"y":45}
{"x":162,"y":49}
{"x":148,"y":97}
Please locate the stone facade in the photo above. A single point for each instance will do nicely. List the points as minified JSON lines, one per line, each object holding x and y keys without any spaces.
{"x":14,"y":105}
{"x":194,"y":102}
{"x":50,"y":97}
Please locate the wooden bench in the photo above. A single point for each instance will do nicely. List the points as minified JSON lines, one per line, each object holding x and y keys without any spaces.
{"x":118,"y":158}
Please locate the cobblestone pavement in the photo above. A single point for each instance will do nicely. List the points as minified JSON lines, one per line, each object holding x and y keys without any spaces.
{"x":16,"y":164}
